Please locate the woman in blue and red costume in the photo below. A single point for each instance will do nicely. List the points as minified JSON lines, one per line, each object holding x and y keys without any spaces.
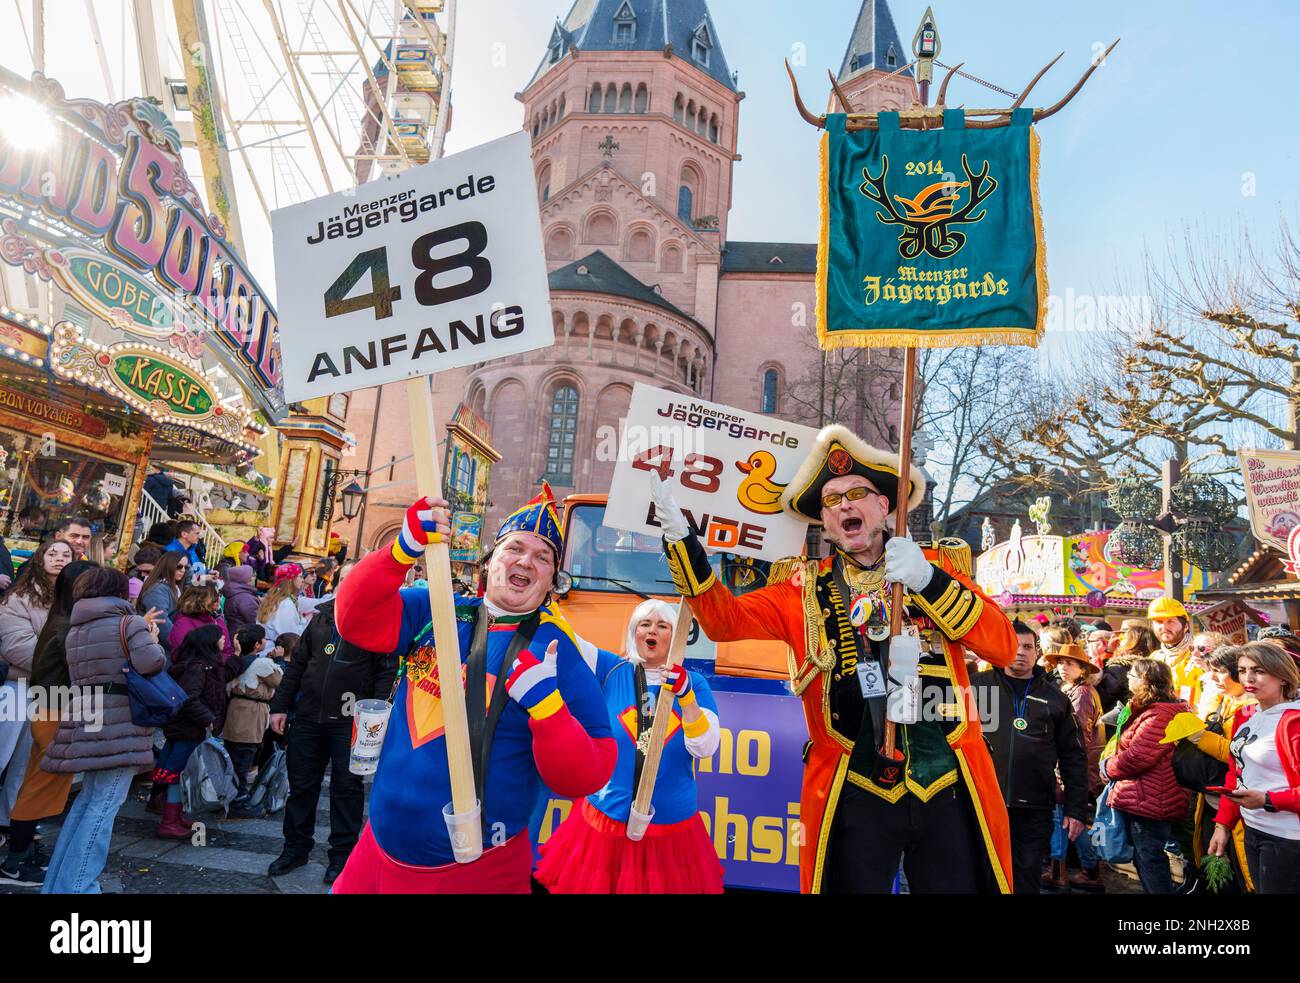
{"x":540,"y":711}
{"x":590,"y":852}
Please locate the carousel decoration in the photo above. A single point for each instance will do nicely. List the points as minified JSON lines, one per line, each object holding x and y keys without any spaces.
{"x":1201,"y":507}
{"x":1039,"y":513}
{"x":1136,"y":541}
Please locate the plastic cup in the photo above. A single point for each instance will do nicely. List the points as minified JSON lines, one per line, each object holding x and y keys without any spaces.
{"x":466,"y":832}
{"x":369,"y":726}
{"x":638,"y":823}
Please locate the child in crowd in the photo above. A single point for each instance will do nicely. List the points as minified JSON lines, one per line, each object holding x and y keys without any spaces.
{"x":201,"y":667}
{"x":199,"y":605}
{"x":249,"y":711}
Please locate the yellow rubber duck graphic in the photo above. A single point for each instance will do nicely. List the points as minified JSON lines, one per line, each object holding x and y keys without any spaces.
{"x":758,"y":492}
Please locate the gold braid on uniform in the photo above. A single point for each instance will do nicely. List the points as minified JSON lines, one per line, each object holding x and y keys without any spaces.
{"x":818,"y":654}
{"x":689,"y":564}
{"x":782,"y":570}
{"x":950,"y":604}
{"x":957,"y":553}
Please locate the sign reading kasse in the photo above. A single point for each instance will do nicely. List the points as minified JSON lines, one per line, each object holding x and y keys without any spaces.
{"x":437,"y":267}
{"x":727,"y":468}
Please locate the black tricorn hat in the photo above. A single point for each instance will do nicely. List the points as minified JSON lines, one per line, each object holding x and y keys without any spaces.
{"x":836,"y":453}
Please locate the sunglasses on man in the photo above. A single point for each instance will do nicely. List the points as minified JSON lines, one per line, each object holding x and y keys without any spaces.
{"x":853,"y":495}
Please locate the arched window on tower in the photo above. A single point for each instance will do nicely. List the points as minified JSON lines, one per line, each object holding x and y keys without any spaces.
{"x":642,"y":99}
{"x":713,"y":128}
{"x":771,"y":391}
{"x":561,"y":106}
{"x":593,"y":104}
{"x":562,"y":441}
{"x":679,"y":109}
{"x":625,"y":99}
{"x":686,"y":204}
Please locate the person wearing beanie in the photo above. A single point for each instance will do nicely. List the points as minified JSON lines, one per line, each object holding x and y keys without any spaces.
{"x":536,"y":710}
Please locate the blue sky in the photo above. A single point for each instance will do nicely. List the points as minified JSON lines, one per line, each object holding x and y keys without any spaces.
{"x":1168,"y":132}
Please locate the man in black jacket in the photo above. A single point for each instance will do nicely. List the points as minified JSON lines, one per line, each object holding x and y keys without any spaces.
{"x":321,"y":684}
{"x":1031,"y":730}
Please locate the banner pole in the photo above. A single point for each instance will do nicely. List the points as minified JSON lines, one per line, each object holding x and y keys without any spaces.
{"x":442,"y":605}
{"x":900,"y":509}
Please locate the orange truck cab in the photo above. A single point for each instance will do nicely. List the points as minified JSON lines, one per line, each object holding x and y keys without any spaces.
{"x":749,"y":790}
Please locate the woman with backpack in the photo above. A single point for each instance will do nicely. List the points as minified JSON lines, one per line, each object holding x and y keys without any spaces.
{"x":105,"y":633}
{"x":1263,"y":783}
{"x":199,"y":605}
{"x":249,"y":712}
{"x":203,"y":671}
{"x":1141,"y":766}
{"x":43,"y":794}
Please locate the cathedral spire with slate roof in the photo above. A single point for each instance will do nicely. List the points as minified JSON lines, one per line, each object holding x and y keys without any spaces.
{"x":874,"y":74}
{"x":875,"y":43}
{"x":641,"y":25}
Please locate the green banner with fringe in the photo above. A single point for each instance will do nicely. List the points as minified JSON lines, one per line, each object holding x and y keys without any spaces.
{"x":930,"y":238}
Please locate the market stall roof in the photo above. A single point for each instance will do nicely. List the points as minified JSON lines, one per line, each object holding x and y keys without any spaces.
{"x":135,"y":380}
{"x":1262,"y":576}
{"x":1084,"y":602}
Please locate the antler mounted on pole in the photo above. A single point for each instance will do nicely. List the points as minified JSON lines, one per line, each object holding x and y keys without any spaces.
{"x":925,"y":118}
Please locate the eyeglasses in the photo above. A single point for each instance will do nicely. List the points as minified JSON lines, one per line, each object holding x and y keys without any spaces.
{"x":853,"y":495}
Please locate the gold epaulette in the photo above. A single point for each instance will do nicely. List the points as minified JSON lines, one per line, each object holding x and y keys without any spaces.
{"x":783,"y":569}
{"x":956,"y":553}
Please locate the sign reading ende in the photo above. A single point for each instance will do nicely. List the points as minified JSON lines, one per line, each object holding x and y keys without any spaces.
{"x":728,"y":468}
{"x":1272,"y":493}
{"x":438,"y":267}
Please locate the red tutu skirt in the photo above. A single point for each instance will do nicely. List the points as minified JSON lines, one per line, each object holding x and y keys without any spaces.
{"x":591,"y":854}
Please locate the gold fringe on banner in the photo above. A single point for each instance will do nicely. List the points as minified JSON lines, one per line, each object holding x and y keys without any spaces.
{"x":905,"y":337}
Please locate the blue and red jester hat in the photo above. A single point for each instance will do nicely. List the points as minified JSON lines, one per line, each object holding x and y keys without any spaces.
{"x":540,"y":517}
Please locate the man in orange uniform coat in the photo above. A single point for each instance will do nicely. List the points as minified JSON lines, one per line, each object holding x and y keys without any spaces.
{"x":938,"y":809}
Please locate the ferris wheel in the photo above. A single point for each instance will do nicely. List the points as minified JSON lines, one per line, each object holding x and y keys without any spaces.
{"x":320,"y":94}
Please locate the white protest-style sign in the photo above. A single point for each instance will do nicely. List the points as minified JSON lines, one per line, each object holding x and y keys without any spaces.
{"x":115,"y":484}
{"x":726,"y":468}
{"x":434,"y":268}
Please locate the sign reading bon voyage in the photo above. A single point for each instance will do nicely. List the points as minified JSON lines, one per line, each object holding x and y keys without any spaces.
{"x":727,"y":468}
{"x":437,"y":267}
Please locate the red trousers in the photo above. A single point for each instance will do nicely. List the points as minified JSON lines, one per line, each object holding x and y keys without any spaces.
{"x":503,"y":869}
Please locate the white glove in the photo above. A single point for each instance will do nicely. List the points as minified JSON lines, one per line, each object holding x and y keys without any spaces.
{"x":667,"y":511}
{"x":903,"y":684}
{"x":905,"y":564}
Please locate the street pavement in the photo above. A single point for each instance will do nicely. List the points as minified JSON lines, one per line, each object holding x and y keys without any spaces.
{"x":233,"y":859}
{"x":235,"y":854}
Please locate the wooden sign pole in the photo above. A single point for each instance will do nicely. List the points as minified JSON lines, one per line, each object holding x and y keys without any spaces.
{"x":900,"y":513}
{"x":442,"y":603}
{"x":663,"y":713}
